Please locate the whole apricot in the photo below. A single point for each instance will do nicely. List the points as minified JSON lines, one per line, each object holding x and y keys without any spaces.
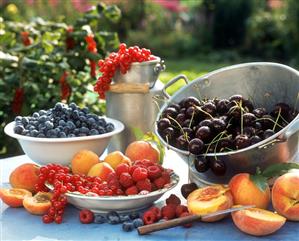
{"x":83,"y":161}
{"x":139,"y":150}
{"x":25,"y":176}
{"x":115,"y":158}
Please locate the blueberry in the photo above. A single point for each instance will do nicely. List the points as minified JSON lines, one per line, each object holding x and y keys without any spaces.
{"x":91,"y":121}
{"x":35,"y":123}
{"x":109,"y":127}
{"x":125,"y":218}
{"x":35,"y":115}
{"x":75,"y":115}
{"x":18,"y":118}
{"x":78,"y":123}
{"x":85,"y":110}
{"x":19,"y":129}
{"x":33,"y":133}
{"x":58,"y":106}
{"x":84,"y":130}
{"x":70,"y":125}
{"x":41,"y":135}
{"x":71,"y":135}
{"x":134,"y":215}
{"x":42,"y":118}
{"x":101,"y":122}
{"x":41,"y":127}
{"x":101,"y":130}
{"x":99,"y":219}
{"x":82,"y":118}
{"x":25,"y":121}
{"x":84,"y":125}
{"x":49,"y":125}
{"x":61,"y":123}
{"x":76,"y":131}
{"x":138,"y":222}
{"x":42,"y":112}
{"x":113,"y":217}
{"x":62,"y":134}
{"x":82,"y":134}
{"x":25,"y":132}
{"x":128,"y":226}
{"x":73,"y":105}
{"x":93,"y":132}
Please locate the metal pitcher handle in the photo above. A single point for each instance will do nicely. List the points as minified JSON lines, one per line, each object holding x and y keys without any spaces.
{"x":157,"y":69}
{"x":171,"y":82}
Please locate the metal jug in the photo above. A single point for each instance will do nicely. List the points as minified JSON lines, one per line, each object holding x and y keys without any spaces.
{"x":131,"y":100}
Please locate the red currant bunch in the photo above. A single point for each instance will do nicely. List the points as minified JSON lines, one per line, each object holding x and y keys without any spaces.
{"x":121,"y":61}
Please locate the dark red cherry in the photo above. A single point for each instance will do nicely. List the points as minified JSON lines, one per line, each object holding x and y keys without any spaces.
{"x":186,"y":189}
{"x":248,"y":119}
{"x":218,"y":167}
{"x":259,"y":112}
{"x":242,"y":141}
{"x":201,"y":164}
{"x":191,"y":101}
{"x":255,"y":139}
{"x":196,"y":146}
{"x":170,"y":112}
{"x":203,"y":133}
{"x":163,"y":124}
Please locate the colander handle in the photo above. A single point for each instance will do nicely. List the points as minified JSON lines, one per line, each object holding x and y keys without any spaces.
{"x":171,"y":82}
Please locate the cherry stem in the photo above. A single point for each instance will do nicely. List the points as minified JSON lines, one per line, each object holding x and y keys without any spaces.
{"x":214,"y":139}
{"x":215,"y":149}
{"x":191,"y":119}
{"x":276,"y":121}
{"x":201,"y":110}
{"x":181,"y":128}
{"x":269,"y":120}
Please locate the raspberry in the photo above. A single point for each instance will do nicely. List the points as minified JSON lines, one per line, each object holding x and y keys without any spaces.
{"x":154,"y":172}
{"x":149,"y":217}
{"x":159,"y":182}
{"x":139,"y":174}
{"x":168,"y":211}
{"x":173,"y":199}
{"x":111,"y":176}
{"x":185,"y":214}
{"x":86,"y":216}
{"x":119,"y":192}
{"x":133,"y":190}
{"x":166,"y":176}
{"x":144,"y":185}
{"x":113,"y":184}
{"x":180,"y":209}
{"x":121,"y":168}
{"x":154,"y":187}
{"x":144,"y":163}
{"x":126,"y":180}
{"x":132,"y":169}
{"x":157,"y":211}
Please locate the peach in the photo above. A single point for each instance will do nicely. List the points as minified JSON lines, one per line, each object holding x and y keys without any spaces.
{"x":139,"y":150}
{"x":14,"y":197}
{"x":285,"y":196}
{"x":25,"y":176}
{"x":39,"y":204}
{"x":83,"y":161}
{"x":101,"y":170}
{"x":245,"y":192}
{"x":115,"y":158}
{"x":209,"y":199}
{"x":257,"y":222}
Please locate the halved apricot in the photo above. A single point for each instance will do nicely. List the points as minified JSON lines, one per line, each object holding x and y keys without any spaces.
{"x":39,"y":204}
{"x":14,"y":197}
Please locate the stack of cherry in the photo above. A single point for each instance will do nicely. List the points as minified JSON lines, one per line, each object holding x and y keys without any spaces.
{"x":121,"y":61}
{"x":141,"y":178}
{"x":219,"y":125}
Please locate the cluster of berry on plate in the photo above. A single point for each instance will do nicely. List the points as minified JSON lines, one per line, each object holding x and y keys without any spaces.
{"x":62,"y":121}
{"x":219,"y":125}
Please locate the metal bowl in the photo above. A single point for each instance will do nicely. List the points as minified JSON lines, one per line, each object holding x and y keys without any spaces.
{"x":265,"y":84}
{"x":61,"y":150}
{"x":121,"y":204}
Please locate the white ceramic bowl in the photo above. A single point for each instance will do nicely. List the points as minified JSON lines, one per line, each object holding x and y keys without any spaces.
{"x":61,"y":150}
{"x":121,"y":204}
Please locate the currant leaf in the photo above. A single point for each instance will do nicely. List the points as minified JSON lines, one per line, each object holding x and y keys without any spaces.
{"x":260,"y":181}
{"x":279,"y":169}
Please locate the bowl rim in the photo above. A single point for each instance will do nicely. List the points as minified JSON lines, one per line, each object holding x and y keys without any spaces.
{"x":118,"y":127}
{"x":174,"y":182}
{"x":203,"y":78}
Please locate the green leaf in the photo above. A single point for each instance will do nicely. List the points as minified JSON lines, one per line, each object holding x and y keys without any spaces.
{"x":151,"y":137}
{"x":260,"y":181}
{"x":279,"y":169}
{"x":138,"y":133}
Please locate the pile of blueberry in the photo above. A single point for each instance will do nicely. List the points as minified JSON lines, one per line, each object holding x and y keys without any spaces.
{"x":220,"y":125}
{"x":62,"y":121}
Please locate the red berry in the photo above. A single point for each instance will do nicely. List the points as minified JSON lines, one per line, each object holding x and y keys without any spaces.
{"x":168,"y":211}
{"x":157,"y":211}
{"x":144,"y":162}
{"x":126,"y":180}
{"x":144,"y":185}
{"x":173,"y":199}
{"x":149,"y":217}
{"x":154,"y":172}
{"x":121,"y":168}
{"x":185,"y":214}
{"x":132,"y":169}
{"x":159,"y":182}
{"x":133,"y":190}
{"x":166,"y":176}
{"x":58,"y":219}
{"x":180,"y":209}
{"x":47,"y":219}
{"x":139,"y":174}
{"x":86,"y":216}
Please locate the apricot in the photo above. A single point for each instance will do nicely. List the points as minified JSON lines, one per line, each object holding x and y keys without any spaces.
{"x":25,"y":176}
{"x":245,"y":192}
{"x":83,"y":161}
{"x":14,"y":197}
{"x":39,"y":204}
{"x":101,"y":170}
{"x":115,"y":158}
{"x":209,"y":199}
{"x":285,"y":196}
{"x":257,"y":222}
{"x":139,"y":150}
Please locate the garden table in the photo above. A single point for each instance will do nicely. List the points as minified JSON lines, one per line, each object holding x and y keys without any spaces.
{"x":18,"y":224}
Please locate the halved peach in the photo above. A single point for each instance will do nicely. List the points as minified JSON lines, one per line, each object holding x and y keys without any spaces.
{"x":39,"y":204}
{"x":257,"y":222}
{"x":14,"y":197}
{"x":210,"y":199}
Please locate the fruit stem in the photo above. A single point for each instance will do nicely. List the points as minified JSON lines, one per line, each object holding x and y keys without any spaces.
{"x":277,"y":118}
{"x":242,"y":127}
{"x":215,"y":149}
{"x":181,"y":128}
{"x":214,"y":139}
{"x":201,"y":110}
{"x":269,"y":120}
{"x":191,"y":119}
